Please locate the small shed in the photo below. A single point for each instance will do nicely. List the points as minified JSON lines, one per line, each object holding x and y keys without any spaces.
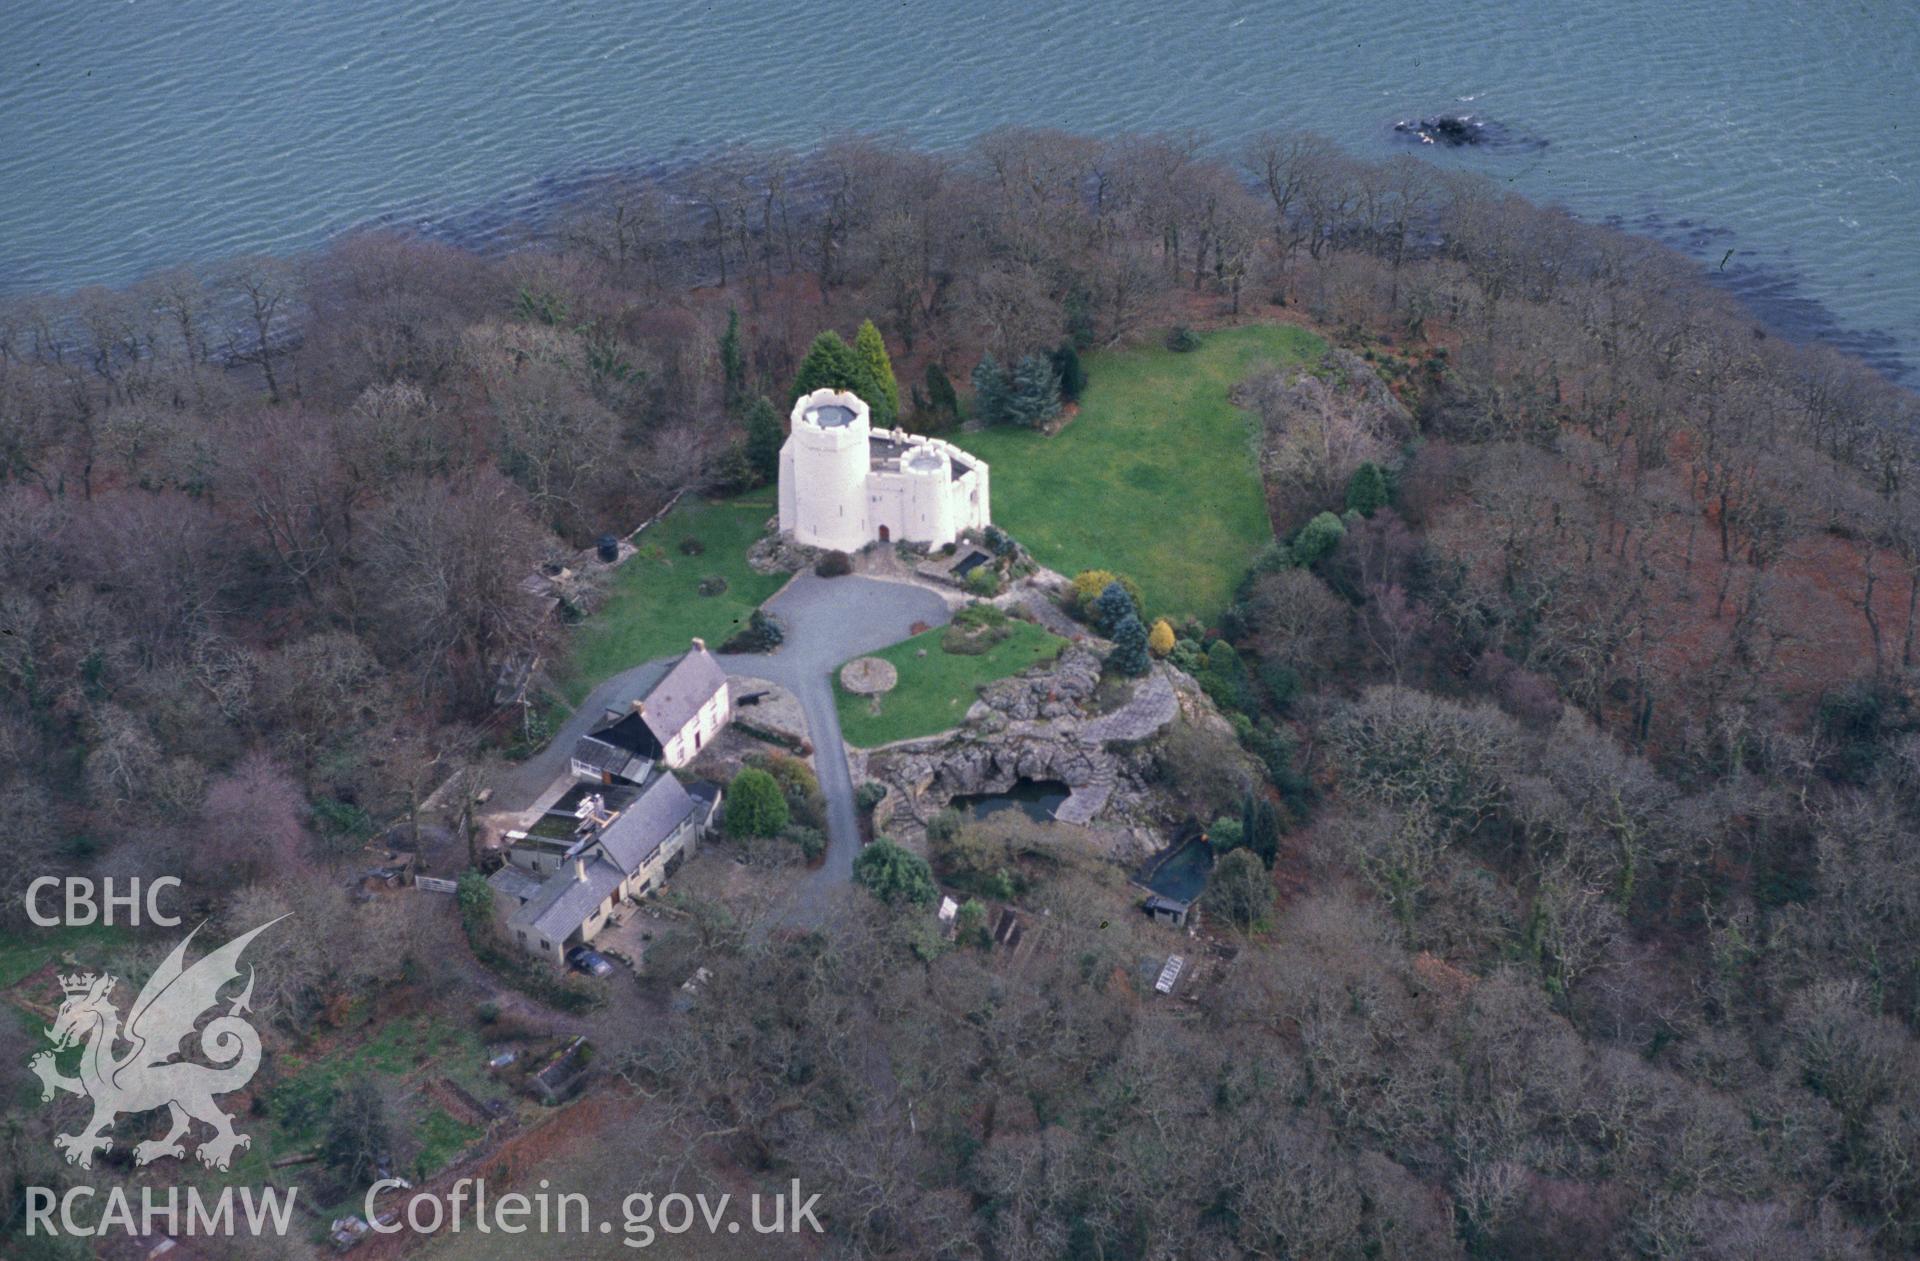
{"x":1175,"y":878}
{"x":346,"y":1232}
{"x":1165,"y":910}
{"x":556,"y":1079}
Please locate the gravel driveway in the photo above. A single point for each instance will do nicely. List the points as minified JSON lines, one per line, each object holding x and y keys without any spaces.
{"x":517,"y":788}
{"x":830,"y":621}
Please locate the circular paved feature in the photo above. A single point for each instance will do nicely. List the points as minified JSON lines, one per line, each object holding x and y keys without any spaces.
{"x":869,"y":676}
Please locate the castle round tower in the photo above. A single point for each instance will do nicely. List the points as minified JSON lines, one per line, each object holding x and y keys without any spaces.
{"x":927,"y":475}
{"x":823,"y":472}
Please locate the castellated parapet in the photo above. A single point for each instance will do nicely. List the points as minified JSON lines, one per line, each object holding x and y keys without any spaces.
{"x":844,"y":484}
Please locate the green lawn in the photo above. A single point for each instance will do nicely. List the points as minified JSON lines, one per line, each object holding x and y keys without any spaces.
{"x":935,"y":690}
{"x":1155,"y":477}
{"x":297,"y":1103}
{"x":655,"y":605}
{"x":26,"y":951}
{"x":441,"y":1137}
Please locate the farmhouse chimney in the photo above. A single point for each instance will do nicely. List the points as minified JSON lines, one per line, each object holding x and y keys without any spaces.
{"x":639,"y":706}
{"x":699,"y":644}
{"x":580,"y":870}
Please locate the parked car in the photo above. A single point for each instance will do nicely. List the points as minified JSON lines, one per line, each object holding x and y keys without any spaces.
{"x":592,"y":962}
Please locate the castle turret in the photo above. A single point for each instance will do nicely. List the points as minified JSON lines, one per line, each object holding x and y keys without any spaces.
{"x":823,"y":472}
{"x":929,"y":502}
{"x":845,"y":484}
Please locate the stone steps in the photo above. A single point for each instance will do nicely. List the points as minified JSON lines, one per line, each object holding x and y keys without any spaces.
{"x":1089,"y":799}
{"x":1153,"y":706}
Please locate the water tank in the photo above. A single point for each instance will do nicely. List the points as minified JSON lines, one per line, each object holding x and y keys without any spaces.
{"x":608,"y":548}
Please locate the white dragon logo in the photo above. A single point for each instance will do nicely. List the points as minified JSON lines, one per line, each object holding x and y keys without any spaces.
{"x":148,"y":1076}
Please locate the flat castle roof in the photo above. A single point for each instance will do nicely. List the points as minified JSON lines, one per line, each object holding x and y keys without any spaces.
{"x":887,"y":454}
{"x":830,"y":415}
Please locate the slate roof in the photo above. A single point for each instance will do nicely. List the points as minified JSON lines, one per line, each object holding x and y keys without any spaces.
{"x":628,"y":733}
{"x":678,"y":697}
{"x":623,"y":731}
{"x":600,"y":755}
{"x":515,"y":882}
{"x":644,"y":826}
{"x":706,"y":796}
{"x":565,"y":901}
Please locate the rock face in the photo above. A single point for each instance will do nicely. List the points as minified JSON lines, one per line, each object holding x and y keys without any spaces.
{"x":777,"y":553}
{"x":1036,"y":727}
{"x":969,"y":765}
{"x":1057,"y":693}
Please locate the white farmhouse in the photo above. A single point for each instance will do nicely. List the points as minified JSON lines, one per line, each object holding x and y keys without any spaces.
{"x":844,"y":484}
{"x":670,"y":725}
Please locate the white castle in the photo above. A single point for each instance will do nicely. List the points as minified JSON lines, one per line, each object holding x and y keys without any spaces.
{"x":844,"y":484}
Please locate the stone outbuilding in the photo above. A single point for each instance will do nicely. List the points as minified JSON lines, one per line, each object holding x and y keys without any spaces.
{"x":555,"y":893}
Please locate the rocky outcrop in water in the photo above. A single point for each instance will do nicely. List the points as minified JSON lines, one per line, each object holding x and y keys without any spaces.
{"x":1454,"y":131}
{"x":1463,"y":131}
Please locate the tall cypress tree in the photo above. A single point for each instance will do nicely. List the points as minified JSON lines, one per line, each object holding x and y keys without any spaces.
{"x":764,"y":438}
{"x":1073,"y":377}
{"x":830,"y":365}
{"x":941,"y":396}
{"x":1367,"y":489}
{"x":1260,"y":827}
{"x":871,"y":349}
{"x":733,"y":363}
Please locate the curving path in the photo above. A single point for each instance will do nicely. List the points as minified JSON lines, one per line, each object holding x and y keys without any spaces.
{"x":827,"y":621}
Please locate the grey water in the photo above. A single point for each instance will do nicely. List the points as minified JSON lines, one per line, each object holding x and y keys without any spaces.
{"x":1035,"y":798}
{"x":1775,"y":139}
{"x":1180,"y":871}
